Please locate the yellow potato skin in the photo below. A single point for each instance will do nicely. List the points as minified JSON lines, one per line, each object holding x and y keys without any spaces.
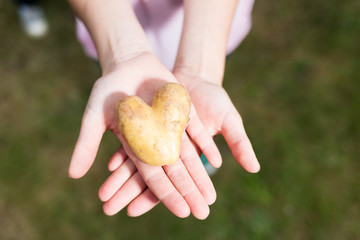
{"x":154,"y":133}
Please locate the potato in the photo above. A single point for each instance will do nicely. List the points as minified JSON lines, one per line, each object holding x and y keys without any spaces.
{"x":154,"y":133}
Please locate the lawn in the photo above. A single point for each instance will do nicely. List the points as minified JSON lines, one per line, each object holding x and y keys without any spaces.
{"x":295,"y":81}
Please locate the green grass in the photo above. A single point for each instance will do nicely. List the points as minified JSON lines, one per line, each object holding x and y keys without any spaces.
{"x":294,"y":80}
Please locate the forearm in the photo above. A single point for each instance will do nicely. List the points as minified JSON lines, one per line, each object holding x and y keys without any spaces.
{"x":114,"y":28}
{"x":202,"y":49}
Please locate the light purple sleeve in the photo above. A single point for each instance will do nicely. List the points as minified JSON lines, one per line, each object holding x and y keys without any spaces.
{"x":162,"y":22}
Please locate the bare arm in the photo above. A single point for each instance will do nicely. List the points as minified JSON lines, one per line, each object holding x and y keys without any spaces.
{"x":113,"y":25}
{"x":204,"y":38}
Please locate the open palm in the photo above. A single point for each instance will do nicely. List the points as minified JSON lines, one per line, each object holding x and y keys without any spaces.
{"x":219,"y":116}
{"x":183,"y":187}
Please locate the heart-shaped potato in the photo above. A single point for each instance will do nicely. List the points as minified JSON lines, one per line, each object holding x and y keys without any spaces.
{"x":154,"y":133}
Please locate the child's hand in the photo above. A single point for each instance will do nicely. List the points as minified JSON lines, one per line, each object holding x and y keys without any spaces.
{"x":125,"y":186}
{"x":219,"y":116}
{"x":181,"y":186}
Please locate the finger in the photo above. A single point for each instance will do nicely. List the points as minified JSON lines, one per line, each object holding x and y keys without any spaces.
{"x":128,"y":192}
{"x":197,"y":171}
{"x":116,"y":180}
{"x":182,"y":181}
{"x":142,"y":204}
{"x":234,"y":133}
{"x":160,"y":185}
{"x":87,"y":145}
{"x":117,"y":159}
{"x":204,"y":141}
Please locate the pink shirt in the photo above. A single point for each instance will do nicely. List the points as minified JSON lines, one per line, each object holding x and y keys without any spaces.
{"x":162,"y":21}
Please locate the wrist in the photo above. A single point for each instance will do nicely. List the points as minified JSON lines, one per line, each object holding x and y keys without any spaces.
{"x":198,"y":74}
{"x":115,"y":54}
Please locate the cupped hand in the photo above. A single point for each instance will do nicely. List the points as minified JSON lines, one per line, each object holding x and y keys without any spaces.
{"x":183,"y":187}
{"x":219,"y":116}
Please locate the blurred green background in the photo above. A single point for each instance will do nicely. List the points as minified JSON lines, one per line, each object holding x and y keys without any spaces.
{"x":295,"y":80}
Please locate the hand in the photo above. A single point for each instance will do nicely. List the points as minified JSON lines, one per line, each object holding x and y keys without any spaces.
{"x":183,"y":186}
{"x":219,"y":116}
{"x":125,"y":186}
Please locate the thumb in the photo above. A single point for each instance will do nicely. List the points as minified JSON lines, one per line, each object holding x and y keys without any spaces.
{"x":87,"y":145}
{"x":234,"y":133}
